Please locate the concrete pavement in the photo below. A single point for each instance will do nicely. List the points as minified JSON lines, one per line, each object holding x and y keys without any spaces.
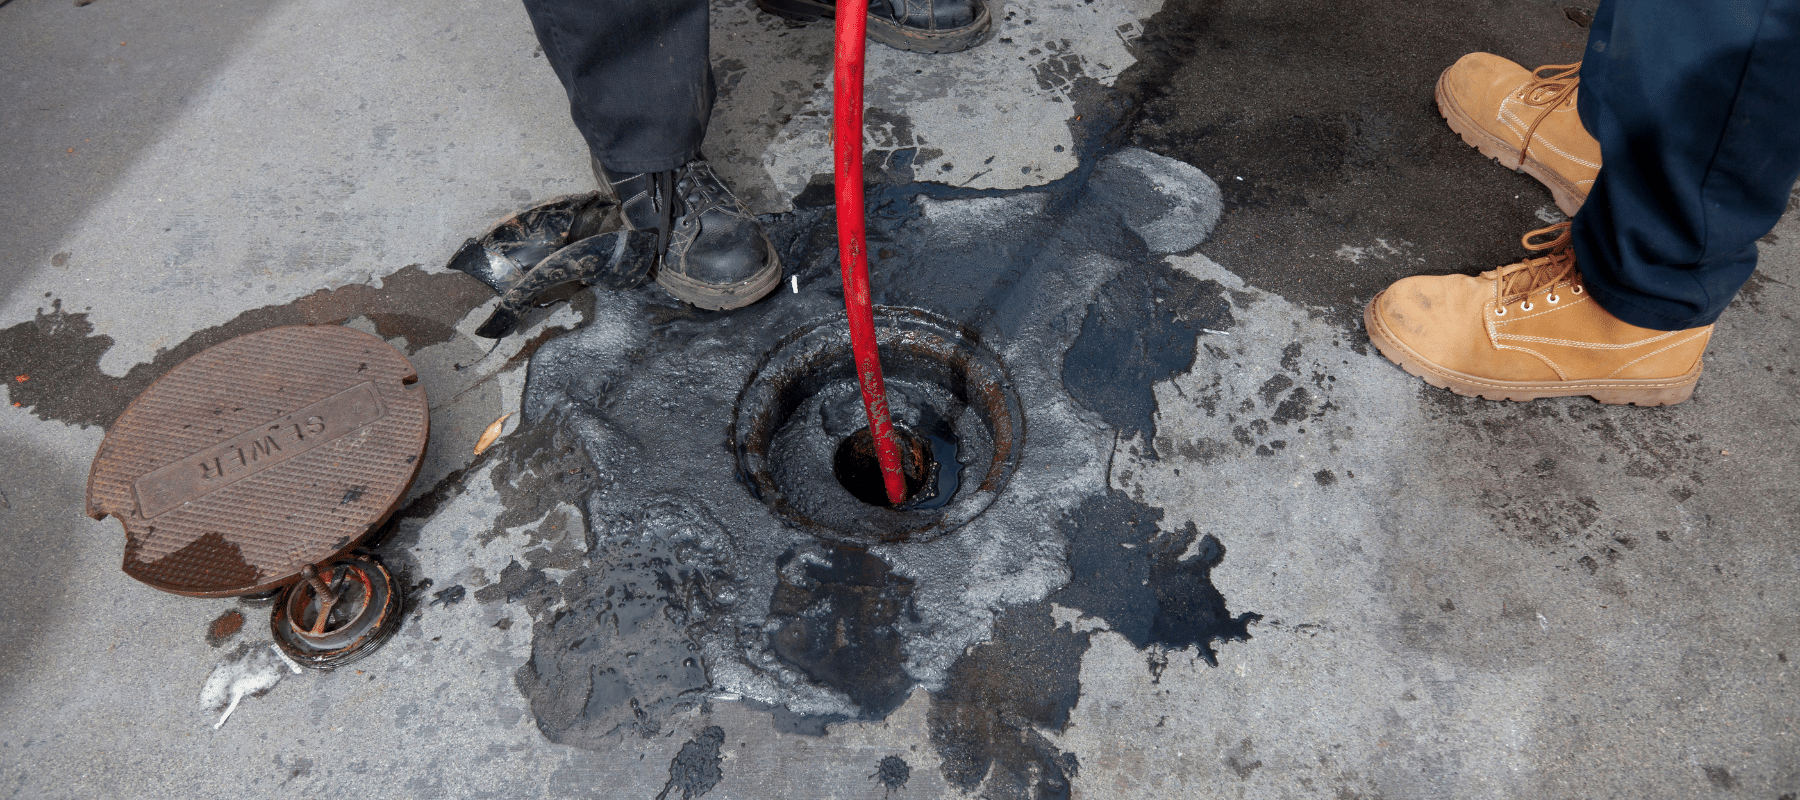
{"x":1454,"y":598}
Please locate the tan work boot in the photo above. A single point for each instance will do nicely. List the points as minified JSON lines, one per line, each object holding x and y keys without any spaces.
{"x":1525,"y":119}
{"x":1530,"y":330}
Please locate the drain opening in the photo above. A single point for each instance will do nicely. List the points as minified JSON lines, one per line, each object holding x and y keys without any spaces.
{"x":804,"y":448}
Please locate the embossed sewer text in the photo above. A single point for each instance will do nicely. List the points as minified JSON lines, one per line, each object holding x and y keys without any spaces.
{"x":257,"y":449}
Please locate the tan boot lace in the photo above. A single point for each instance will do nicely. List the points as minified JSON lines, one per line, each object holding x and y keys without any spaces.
{"x":1532,"y":275}
{"x":1548,"y":92}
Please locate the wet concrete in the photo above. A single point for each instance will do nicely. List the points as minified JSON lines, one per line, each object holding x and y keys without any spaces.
{"x":1459,"y":598}
{"x":666,"y":608}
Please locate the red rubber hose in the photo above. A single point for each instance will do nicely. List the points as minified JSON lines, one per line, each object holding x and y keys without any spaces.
{"x":853,"y":257}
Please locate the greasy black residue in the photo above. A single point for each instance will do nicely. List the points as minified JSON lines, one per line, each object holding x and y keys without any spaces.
{"x":985,"y":723}
{"x":517,"y":582}
{"x":858,"y":468}
{"x":839,"y":610}
{"x":60,"y":353}
{"x":450,"y":596}
{"x":683,"y":567}
{"x":1143,"y":328}
{"x":893,"y":772}
{"x":1141,"y":580}
{"x":695,"y":770}
{"x":623,"y":652}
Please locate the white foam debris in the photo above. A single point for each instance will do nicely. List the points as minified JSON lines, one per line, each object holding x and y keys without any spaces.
{"x":247,"y":670}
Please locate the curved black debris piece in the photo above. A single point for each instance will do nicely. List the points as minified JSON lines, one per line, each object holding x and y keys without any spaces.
{"x":619,"y":259}
{"x":516,"y":244}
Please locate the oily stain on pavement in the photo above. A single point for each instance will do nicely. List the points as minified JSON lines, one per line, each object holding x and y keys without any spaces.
{"x":689,"y":589}
{"x":52,"y":362}
{"x":673,"y":582}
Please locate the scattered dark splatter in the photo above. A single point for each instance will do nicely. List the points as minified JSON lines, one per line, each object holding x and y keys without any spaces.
{"x":1242,"y":761}
{"x":1140,"y":330}
{"x":450,"y":596}
{"x":298,"y":767}
{"x":893,"y":772}
{"x":517,"y":582}
{"x":1720,"y":777}
{"x":1152,"y":592}
{"x":621,"y":653}
{"x":695,"y":770}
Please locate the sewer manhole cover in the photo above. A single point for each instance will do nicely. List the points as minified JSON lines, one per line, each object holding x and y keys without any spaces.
{"x":259,"y":456}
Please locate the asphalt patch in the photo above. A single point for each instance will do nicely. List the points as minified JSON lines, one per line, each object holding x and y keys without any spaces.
{"x":1339,"y":174}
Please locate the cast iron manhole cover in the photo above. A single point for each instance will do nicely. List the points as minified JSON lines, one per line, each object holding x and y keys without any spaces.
{"x":260,"y":456}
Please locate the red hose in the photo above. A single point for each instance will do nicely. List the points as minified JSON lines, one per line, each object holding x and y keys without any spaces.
{"x":853,"y":257}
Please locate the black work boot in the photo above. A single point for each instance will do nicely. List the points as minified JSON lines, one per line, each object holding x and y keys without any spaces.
{"x":921,"y":26}
{"x":711,"y":252}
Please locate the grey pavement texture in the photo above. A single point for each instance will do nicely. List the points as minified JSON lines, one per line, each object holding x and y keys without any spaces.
{"x":1457,"y":598}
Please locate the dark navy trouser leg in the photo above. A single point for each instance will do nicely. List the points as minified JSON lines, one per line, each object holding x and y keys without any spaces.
{"x":638,"y":74}
{"x":1697,"y":109}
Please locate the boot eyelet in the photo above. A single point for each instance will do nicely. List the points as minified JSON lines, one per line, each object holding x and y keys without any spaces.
{"x":1525,"y":306}
{"x":1552,"y":299}
{"x":1500,"y":312}
{"x":1574,"y":290}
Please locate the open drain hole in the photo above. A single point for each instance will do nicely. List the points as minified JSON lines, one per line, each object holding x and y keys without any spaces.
{"x":804,"y":448}
{"x":858,"y":469}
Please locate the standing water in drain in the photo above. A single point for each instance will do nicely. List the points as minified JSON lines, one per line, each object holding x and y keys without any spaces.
{"x":928,"y":458}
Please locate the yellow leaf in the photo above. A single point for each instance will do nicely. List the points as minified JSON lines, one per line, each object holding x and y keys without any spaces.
{"x":488,"y":436}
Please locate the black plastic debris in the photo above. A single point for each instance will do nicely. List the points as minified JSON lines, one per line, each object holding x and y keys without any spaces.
{"x":573,"y":238}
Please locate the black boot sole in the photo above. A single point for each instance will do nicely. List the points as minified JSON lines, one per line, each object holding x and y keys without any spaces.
{"x":887,"y":31}
{"x":716,"y":297}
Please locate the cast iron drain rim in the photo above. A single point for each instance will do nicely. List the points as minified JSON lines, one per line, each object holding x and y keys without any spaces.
{"x":916,"y":345}
{"x":377,"y":620}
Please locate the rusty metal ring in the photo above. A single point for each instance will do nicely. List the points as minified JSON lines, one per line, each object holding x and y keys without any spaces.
{"x":328,"y":630}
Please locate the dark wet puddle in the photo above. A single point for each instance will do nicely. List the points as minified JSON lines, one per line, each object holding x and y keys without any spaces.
{"x":688,"y":588}
{"x":692,"y":589}
{"x":685,"y":587}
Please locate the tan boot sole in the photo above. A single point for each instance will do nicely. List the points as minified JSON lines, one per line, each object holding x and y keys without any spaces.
{"x":1567,"y":196}
{"x":1610,"y":391}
